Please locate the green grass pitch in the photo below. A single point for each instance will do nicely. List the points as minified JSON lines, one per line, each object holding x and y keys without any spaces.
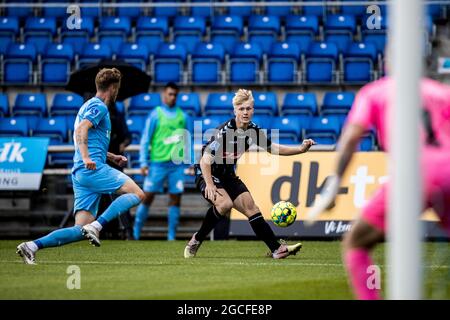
{"x":222,"y":270}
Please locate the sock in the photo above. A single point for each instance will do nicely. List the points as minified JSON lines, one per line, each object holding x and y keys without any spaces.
{"x":60,"y":237}
{"x":139,"y":221}
{"x":263,"y":231}
{"x":174,"y":218}
{"x":33,"y":246}
{"x":210,"y":221}
{"x":357,"y":261}
{"x":122,"y":204}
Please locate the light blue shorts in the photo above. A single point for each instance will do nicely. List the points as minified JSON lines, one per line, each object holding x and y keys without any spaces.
{"x":89,"y":185}
{"x":165,"y":171}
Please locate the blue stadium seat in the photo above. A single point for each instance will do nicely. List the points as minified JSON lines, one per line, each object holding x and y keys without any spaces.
{"x":208,"y":126}
{"x":131,"y":12}
{"x":206,"y":63}
{"x":78,"y":37}
{"x":301,"y":30}
{"x":135,"y":54}
{"x":190,"y":103}
{"x":244,"y":63}
{"x":114,"y":31}
{"x":66,"y":104}
{"x":93,"y":53}
{"x":321,"y":63}
{"x":376,"y":36}
{"x":205,"y":12}
{"x":263,"y":121}
{"x":165,"y":11}
{"x":337,"y":103}
{"x":289,"y":129}
{"x":54,"y":128}
{"x":280,"y":11}
{"x":299,"y":103}
{"x":263,"y":30}
{"x":55,"y":64}
{"x":356,"y":11}
{"x":282,"y":62}
{"x":18,"y":64}
{"x":188,"y":31}
{"x":265,"y":103}
{"x":55,"y":12}
{"x":21,"y":12}
{"x":136,"y":125}
{"x":143,"y":104}
{"x":5,"y":42}
{"x":318,"y":11}
{"x":4,"y":105}
{"x":219,"y":103}
{"x":13,"y":127}
{"x":359,"y":63}
{"x":9,"y":27}
{"x":120,"y":106}
{"x":340,"y":29}
{"x":91,"y":11}
{"x":324,"y":130}
{"x":30,"y":104}
{"x":168,"y":64}
{"x":368,"y":142}
{"x":227,"y":31}
{"x":243,"y":11}
{"x":40,"y":25}
{"x":151,"y":31}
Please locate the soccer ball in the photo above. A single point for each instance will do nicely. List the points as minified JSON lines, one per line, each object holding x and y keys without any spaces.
{"x":283,"y":214}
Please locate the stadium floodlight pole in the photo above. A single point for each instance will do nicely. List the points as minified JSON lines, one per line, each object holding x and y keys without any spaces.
{"x":405,"y":205}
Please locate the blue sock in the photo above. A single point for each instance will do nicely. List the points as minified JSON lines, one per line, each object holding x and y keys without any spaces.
{"x":139,"y":221}
{"x":122,"y":204}
{"x":174,"y":218}
{"x":60,"y":237}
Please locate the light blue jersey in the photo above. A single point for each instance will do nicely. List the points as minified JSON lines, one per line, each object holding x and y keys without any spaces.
{"x":97,"y":113}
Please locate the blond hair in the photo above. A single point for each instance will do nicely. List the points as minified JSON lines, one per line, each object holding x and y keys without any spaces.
{"x":242,"y":96}
{"x":107,"y":77}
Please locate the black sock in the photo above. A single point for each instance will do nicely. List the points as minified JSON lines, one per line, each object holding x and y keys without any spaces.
{"x":210,"y":221}
{"x":263,"y":231}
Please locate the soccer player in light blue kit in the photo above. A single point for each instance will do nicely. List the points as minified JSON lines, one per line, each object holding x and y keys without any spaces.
{"x":91,"y":176}
{"x":164,"y":142}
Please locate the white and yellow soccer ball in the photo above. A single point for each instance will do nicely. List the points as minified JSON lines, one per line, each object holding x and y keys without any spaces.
{"x":283,"y":214}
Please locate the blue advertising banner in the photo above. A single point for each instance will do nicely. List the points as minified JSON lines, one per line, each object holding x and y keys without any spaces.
{"x":22,"y":162}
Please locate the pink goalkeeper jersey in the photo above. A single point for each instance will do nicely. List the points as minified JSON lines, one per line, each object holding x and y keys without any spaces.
{"x":370,"y":107}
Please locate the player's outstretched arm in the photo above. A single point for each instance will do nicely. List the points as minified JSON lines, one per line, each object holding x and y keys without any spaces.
{"x":81,"y":139}
{"x":284,"y":150}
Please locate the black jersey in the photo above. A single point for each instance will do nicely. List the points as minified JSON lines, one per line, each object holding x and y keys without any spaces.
{"x":229,"y":143}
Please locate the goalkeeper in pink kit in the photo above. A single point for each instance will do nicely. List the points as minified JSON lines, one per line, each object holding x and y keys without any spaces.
{"x":369,"y":110}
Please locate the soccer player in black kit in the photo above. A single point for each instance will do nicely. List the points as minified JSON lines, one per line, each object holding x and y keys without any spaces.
{"x":218,"y":183}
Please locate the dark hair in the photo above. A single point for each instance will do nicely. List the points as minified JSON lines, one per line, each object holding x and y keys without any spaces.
{"x":171,"y":85}
{"x":107,"y":77}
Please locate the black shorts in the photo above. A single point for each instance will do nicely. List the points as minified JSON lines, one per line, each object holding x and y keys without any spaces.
{"x":232,"y":185}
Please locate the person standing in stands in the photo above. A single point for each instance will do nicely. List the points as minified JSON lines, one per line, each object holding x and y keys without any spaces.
{"x":162,"y":150}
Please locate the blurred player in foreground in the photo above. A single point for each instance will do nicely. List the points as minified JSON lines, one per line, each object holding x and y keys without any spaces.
{"x":91,"y":176}
{"x":369,"y":111}
{"x":218,"y":183}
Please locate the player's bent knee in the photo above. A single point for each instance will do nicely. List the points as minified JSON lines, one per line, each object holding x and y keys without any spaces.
{"x":224,"y":207}
{"x":140,"y":194}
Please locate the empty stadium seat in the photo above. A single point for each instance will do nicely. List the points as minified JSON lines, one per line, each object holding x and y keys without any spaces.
{"x":263,"y":30}
{"x":205,"y":12}
{"x":78,"y":37}
{"x":151,"y":31}
{"x":91,"y":11}
{"x":219,"y":103}
{"x":30,"y":104}
{"x":374,"y":35}
{"x":318,"y":11}
{"x":190,"y":103}
{"x":55,"y":64}
{"x":114,"y":31}
{"x":356,"y":11}
{"x":324,"y":130}
{"x":208,"y":125}
{"x":368,"y":142}
{"x":135,"y":54}
{"x":55,"y":12}
{"x":244,"y":63}
{"x":337,"y":102}
{"x":359,"y":63}
{"x":168,"y":64}
{"x":66,"y":104}
{"x":206,"y":63}
{"x":189,"y":31}
{"x":282,"y":62}
{"x":131,"y":12}
{"x":136,"y":125}
{"x":227,"y":31}
{"x":340,"y":29}
{"x":93,"y":53}
{"x":288,"y":129}
{"x":20,"y":12}
{"x":18,"y":64}
{"x":54,"y":128}
{"x":321,"y":63}
{"x":265,"y":103}
{"x":280,"y":11}
{"x":302,"y":30}
{"x":165,"y":11}
{"x":144,"y":103}
{"x":9,"y":27}
{"x":13,"y":127}
{"x":243,"y":11}
{"x":299,"y":103}
{"x":4,"y":105}
{"x":263,"y":121}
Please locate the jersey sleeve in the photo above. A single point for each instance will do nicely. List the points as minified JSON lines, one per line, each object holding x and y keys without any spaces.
{"x":146,"y":138}
{"x":361,"y":112}
{"x":95,"y":113}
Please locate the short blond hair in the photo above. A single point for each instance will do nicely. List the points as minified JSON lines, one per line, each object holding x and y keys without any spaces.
{"x":242,"y":96}
{"x":106,"y":77}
